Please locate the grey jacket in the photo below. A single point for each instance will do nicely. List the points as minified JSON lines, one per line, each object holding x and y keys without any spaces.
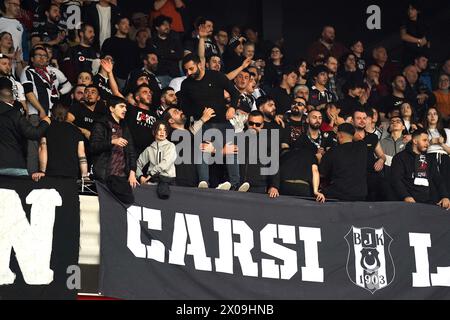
{"x":391,"y":148}
{"x":160,"y":156}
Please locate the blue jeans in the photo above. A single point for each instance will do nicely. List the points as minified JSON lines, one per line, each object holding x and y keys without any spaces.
{"x":231,"y":161}
{"x":16,"y":172}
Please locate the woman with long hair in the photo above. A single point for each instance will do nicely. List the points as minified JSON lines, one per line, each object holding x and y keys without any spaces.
{"x":407,"y":114}
{"x":439,"y":141}
{"x":7,"y":48}
{"x":273,"y":72}
{"x":302,"y":68}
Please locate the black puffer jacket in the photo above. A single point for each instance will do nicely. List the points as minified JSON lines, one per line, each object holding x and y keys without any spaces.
{"x":14,"y":132}
{"x":101,"y":148}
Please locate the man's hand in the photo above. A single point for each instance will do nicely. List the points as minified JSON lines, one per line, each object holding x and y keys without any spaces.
{"x":320,"y":197}
{"x":203,"y":31}
{"x":379,"y":165}
{"x":207,"y":147}
{"x":230,"y":148}
{"x":231,"y":112}
{"x":444,"y":203}
{"x":85,"y":132}
{"x":359,"y":136}
{"x":37,"y":176}
{"x":106,"y":65}
{"x":407,"y":138}
{"x":144,"y":180}
{"x":132,"y":180}
{"x":46,"y":119}
{"x":121,"y":142}
{"x":279,"y":120}
{"x":422,"y":97}
{"x":246,"y":63}
{"x":208,"y":113}
{"x":273,"y":193}
{"x":409,"y":200}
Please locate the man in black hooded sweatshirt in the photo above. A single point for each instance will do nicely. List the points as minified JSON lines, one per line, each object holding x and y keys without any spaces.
{"x":415,"y":177}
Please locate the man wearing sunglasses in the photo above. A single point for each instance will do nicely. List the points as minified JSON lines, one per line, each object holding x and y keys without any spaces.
{"x":294,"y":121}
{"x":251,"y":172}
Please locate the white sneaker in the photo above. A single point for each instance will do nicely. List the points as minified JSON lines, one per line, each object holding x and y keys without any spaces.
{"x":203,"y":185}
{"x":224,"y":186}
{"x":244,"y":187}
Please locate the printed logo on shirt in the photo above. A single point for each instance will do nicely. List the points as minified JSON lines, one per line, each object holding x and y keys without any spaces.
{"x":145,"y":120}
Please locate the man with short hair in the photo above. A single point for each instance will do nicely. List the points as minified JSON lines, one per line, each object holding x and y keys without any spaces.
{"x":6,"y":72}
{"x":332,"y":86}
{"x":168,"y":99}
{"x":353,"y":98}
{"x":221,"y":40}
{"x":388,"y":68}
{"x":211,"y":48}
{"x":392,"y":145}
{"x":420,"y":97}
{"x":326,"y":46}
{"x":140,"y":118}
{"x":51,"y":32}
{"x":168,"y":48}
{"x":314,"y":139}
{"x":125,"y":60}
{"x":345,"y":167}
{"x":149,"y":69}
{"x":421,"y":65}
{"x":415,"y":177}
{"x":375,"y":90}
{"x":283,"y":94}
{"x":14,"y":130}
{"x":251,"y":173}
{"x":294,"y":120}
{"x":205,"y":88}
{"x":82,"y":57}
{"x":396,"y":99}
{"x":375,"y":155}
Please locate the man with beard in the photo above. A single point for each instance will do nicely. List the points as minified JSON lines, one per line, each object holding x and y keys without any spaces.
{"x":415,"y":177}
{"x":294,"y":124}
{"x":168,"y":99}
{"x":375,"y":154}
{"x":396,"y":99}
{"x":51,"y":32}
{"x":314,"y":139}
{"x":326,"y":46}
{"x":18,"y":91}
{"x":205,"y":88}
{"x":168,"y":48}
{"x":89,"y":109}
{"x":266,"y":105}
{"x":149,"y":69}
{"x":375,"y":90}
{"x":332,"y":85}
{"x":140,"y":118}
{"x":82,"y":57}
{"x":186,"y":172}
{"x":252,"y":174}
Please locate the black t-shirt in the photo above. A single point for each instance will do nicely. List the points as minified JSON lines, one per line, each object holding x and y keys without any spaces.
{"x":371,"y":140}
{"x":292,"y":132}
{"x":317,"y":98}
{"x":84,"y":117}
{"x":125,"y":54}
{"x":345,"y":166}
{"x":102,"y":84}
{"x":196,"y":95}
{"x":82,"y":58}
{"x":325,"y":140}
{"x":283,"y":100}
{"x":140,"y":122}
{"x":391,"y":102}
{"x":62,"y":149}
{"x":297,"y":165}
{"x":186,"y":172}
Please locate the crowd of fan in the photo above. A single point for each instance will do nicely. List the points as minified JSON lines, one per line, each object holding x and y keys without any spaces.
{"x":109,"y":97}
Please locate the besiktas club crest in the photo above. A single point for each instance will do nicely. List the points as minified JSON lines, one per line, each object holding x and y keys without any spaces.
{"x":370,"y":264}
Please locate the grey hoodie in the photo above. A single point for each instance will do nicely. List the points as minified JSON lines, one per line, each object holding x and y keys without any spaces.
{"x":391,"y":148}
{"x":161,"y":158}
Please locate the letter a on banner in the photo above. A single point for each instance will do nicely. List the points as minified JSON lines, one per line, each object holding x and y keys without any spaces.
{"x":32,"y":242}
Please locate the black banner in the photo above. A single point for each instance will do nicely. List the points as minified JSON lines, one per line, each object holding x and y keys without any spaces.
{"x":209,"y":244}
{"x":39,"y":238}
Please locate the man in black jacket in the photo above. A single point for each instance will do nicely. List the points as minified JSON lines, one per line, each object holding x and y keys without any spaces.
{"x":345,"y":167}
{"x":252,"y":172}
{"x":415,"y":177}
{"x":168,"y":48}
{"x":14,"y":132}
{"x":113,"y":152}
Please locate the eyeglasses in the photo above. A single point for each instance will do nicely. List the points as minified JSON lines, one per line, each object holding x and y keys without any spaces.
{"x":41,"y":55}
{"x":299,"y":104}
{"x":256,"y":124}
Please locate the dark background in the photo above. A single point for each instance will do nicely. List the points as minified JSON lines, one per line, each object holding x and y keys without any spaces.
{"x":300,"y":22}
